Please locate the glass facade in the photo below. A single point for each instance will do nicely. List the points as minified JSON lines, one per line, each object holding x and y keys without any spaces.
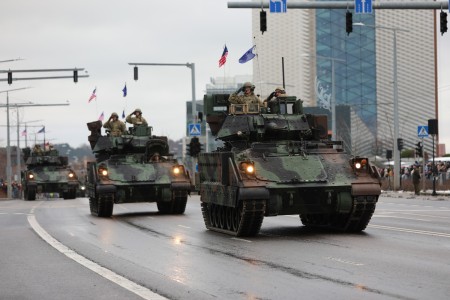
{"x":354,"y":65}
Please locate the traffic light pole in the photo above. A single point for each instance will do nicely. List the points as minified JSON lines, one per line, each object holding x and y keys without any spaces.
{"x":423,"y":166}
{"x":194,"y":105}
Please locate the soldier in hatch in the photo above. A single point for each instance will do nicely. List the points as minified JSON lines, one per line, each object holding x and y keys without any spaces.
{"x":279,"y":92}
{"x":247,"y":97}
{"x":115,"y":126}
{"x":138,"y":119}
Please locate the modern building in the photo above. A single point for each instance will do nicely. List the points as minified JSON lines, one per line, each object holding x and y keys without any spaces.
{"x":314,"y":43}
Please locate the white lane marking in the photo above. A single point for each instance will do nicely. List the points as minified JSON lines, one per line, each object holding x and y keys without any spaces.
{"x":184,"y":226}
{"x":344,"y":261}
{"x":106,"y":273}
{"x":242,"y":240}
{"x":441,"y":234}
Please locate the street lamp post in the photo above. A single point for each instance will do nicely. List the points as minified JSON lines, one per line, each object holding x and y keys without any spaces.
{"x":8,"y":146}
{"x":397,"y":167}
{"x":333,"y":91}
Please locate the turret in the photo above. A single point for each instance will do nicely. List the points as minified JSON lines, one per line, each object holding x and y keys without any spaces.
{"x":282,"y":119}
{"x":137,"y":141}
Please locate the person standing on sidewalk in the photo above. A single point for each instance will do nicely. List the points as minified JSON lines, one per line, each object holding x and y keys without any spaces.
{"x":416,"y":180}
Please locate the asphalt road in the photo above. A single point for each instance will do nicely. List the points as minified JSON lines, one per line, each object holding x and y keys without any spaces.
{"x":403,"y":254}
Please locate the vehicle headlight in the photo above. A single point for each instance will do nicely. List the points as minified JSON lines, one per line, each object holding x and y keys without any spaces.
{"x":71,"y":175}
{"x":177,"y":170}
{"x":248,"y":168}
{"x":30,"y":176}
{"x":103,"y":171}
{"x":83,"y":188}
{"x":359,"y":163}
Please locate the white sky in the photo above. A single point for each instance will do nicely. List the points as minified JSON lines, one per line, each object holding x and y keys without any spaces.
{"x":104,"y":36}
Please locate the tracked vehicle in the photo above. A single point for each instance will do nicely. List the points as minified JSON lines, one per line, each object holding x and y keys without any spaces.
{"x":48,"y":172}
{"x":280,"y":161}
{"x":134,"y":167}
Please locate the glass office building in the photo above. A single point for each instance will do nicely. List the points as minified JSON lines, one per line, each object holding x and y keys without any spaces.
{"x":310,"y":41}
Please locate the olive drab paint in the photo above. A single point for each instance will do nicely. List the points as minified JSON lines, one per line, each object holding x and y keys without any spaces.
{"x":276,"y":160}
{"x":134,"y":167}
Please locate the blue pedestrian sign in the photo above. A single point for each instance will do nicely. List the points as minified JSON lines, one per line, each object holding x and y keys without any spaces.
{"x":194,"y":129}
{"x":277,"y":6}
{"x":363,"y":6}
{"x":422,"y":131}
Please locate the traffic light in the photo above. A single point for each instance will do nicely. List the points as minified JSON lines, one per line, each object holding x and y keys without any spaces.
{"x":263,"y":21}
{"x":195,"y":147}
{"x":419,"y":149}
{"x":388,"y":154}
{"x":400,"y":144}
{"x":135,"y":73}
{"x":443,"y":22}
{"x":75,"y":76}
{"x":9,"y":77}
{"x":188,"y":149}
{"x":348,"y":22}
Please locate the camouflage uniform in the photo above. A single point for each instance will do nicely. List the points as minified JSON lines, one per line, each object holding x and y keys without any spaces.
{"x":278,"y":93}
{"x":236,"y":98}
{"x":136,"y":120}
{"x":116,"y":127}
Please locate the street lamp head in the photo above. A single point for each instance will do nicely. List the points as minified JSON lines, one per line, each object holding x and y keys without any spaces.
{"x":359,"y":24}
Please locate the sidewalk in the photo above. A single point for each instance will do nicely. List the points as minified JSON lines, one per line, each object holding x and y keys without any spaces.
{"x":427,"y":195}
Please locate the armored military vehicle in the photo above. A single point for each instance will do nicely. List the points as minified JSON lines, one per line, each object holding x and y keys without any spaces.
{"x":48,"y":172}
{"x":134,"y":167}
{"x":280,"y":161}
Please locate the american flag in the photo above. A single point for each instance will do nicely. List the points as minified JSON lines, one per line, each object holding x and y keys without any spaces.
{"x":223,"y":58}
{"x":24,"y":132}
{"x":93,"y":95}
{"x":102,"y":116}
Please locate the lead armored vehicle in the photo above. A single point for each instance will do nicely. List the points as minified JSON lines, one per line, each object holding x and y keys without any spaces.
{"x":280,"y":161}
{"x":48,"y":172}
{"x":134,"y":167}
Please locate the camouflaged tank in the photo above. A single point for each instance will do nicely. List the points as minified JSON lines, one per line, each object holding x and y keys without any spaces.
{"x":135,"y":167}
{"x":280,"y":161}
{"x":47,"y":172}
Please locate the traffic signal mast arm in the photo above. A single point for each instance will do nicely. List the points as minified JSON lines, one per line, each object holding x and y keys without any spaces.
{"x":344,"y":5}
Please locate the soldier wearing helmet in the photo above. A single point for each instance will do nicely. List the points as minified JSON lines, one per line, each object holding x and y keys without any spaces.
{"x":114,"y":125}
{"x":279,"y":92}
{"x":138,"y":119}
{"x":247,"y":95}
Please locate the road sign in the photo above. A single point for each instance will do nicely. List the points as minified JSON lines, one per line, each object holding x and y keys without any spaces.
{"x":194,"y":129}
{"x":277,"y":6}
{"x":363,"y":6}
{"x":422,"y":131}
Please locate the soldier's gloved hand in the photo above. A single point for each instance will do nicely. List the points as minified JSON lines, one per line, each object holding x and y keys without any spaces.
{"x":271,"y":95}
{"x":239,"y":90}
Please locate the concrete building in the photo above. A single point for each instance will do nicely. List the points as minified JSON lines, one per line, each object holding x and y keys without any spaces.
{"x":309,"y":41}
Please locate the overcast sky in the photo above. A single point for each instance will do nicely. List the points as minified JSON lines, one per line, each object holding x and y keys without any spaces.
{"x":104,"y":36}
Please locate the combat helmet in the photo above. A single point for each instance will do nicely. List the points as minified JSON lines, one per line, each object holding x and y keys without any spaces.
{"x":114,"y":114}
{"x":138,"y":110}
{"x":249,"y":84}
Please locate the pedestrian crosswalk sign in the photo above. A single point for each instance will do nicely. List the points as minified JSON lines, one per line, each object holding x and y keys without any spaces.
{"x":422,"y":131}
{"x":194,"y":129}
